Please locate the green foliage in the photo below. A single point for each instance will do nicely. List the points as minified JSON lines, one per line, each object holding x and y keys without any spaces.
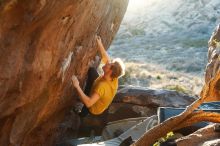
{"x":137,"y":31}
{"x":163,"y":139}
{"x":196,"y":43}
{"x":158,"y":77}
{"x":177,"y":88}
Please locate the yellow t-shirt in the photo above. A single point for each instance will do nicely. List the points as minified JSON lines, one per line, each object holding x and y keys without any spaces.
{"x":106,"y":90}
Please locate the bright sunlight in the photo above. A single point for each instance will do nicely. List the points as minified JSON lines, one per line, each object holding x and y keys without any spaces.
{"x":136,"y":4}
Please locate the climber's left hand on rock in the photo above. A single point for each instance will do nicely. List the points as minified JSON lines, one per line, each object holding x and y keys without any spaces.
{"x":75,"y":81}
{"x":99,"y":40}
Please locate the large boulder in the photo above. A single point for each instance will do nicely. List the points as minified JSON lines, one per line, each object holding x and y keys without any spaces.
{"x":42,"y":43}
{"x":131,"y":101}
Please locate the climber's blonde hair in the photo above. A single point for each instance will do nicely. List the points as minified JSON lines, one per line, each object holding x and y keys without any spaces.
{"x":118,"y":68}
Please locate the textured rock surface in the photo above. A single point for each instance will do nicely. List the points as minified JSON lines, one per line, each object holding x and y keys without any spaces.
{"x":137,"y":101}
{"x":42,"y":43}
{"x":212,"y":72}
{"x":205,"y":136}
{"x":152,"y":97}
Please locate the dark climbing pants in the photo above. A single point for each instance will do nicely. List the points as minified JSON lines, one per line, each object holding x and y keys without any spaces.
{"x":92,"y":76}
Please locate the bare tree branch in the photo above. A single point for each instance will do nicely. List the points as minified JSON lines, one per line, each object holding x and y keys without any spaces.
{"x":174,"y":122}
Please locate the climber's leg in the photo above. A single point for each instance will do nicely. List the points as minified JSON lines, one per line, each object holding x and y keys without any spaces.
{"x":92,"y":76}
{"x":84,"y":112}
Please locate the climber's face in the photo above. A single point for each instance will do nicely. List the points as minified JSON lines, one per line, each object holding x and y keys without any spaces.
{"x":107,"y":68}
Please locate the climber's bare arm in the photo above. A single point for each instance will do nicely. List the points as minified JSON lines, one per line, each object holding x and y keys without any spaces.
{"x":104,"y":55}
{"x":88,"y":101}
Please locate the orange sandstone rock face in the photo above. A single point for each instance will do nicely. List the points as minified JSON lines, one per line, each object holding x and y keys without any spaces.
{"x":42,"y":43}
{"x":211,"y":88}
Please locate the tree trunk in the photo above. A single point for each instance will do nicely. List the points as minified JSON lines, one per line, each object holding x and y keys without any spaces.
{"x":180,"y":120}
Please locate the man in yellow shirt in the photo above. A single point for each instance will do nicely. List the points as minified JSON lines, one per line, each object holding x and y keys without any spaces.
{"x":100,"y":90}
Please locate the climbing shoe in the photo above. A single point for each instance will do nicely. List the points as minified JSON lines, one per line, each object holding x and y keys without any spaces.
{"x":217,"y":128}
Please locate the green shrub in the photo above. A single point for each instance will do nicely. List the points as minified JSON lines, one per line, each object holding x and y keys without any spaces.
{"x":177,"y":88}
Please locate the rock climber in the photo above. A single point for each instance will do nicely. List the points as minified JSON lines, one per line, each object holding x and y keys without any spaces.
{"x":100,"y":89}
